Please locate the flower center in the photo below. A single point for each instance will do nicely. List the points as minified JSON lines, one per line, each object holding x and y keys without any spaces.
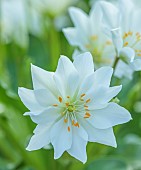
{"x":132,"y":39}
{"x":72,"y":109}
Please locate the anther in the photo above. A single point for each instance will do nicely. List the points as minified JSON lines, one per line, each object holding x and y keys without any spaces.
{"x":60,"y":99}
{"x":76,"y":124}
{"x":55,"y":105}
{"x":72,"y":122}
{"x":94,"y":37}
{"x":126,"y":43}
{"x":85,"y":106}
{"x":87,"y":115}
{"x":108,"y":42}
{"x":87,"y":46}
{"x":87,"y":101}
{"x":68,"y":128}
{"x":82,"y":95}
{"x":67,"y":104}
{"x":65,"y":120}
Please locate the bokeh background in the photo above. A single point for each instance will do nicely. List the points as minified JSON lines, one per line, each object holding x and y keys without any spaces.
{"x":30,"y":32}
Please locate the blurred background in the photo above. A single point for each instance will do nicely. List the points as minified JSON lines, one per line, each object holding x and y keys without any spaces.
{"x":30,"y":32}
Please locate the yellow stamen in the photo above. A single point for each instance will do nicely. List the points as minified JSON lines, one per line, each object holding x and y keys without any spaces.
{"x":55,"y":105}
{"x":68,"y":97}
{"x":126,"y":43}
{"x":108,"y":42}
{"x":72,"y":122}
{"x":60,"y":99}
{"x":82,"y":95}
{"x":130,"y":33}
{"x":67,"y":104}
{"x":87,"y":101}
{"x":76,"y":124}
{"x":137,"y":34}
{"x":88,"y":46}
{"x":87,"y":115}
{"x":68,"y":129}
{"x":94,"y":37}
{"x":86,"y":107}
{"x":65,"y":120}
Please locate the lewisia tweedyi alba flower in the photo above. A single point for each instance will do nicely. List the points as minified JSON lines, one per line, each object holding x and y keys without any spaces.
{"x":123,"y":24}
{"x":72,"y":106}
{"x":87,"y":35}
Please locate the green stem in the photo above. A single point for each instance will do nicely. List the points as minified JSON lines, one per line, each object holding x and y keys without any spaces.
{"x":115,"y":81}
{"x":115,"y":63}
{"x":54,"y":42}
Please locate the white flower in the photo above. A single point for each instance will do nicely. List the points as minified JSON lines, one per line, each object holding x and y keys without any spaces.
{"x":72,"y":106}
{"x":17,"y":19}
{"x":123,"y":25}
{"x":87,"y":35}
{"x":13,"y":22}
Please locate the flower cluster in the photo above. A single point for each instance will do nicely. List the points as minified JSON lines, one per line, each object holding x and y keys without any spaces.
{"x":109,"y":32}
{"x":74,"y":104}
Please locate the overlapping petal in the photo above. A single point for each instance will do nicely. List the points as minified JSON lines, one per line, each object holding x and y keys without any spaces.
{"x":111,"y":14}
{"x":80,"y":19}
{"x":41,"y":138}
{"x":43,"y":79}
{"x":109,"y":116}
{"x":79,"y":142}
{"x":45,"y":97}
{"x":84,"y":64}
{"x":28,"y":98}
{"x":61,"y":138}
{"x":103,"y":136}
{"x":49,"y":115}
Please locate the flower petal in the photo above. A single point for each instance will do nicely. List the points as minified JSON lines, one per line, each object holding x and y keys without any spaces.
{"x":103,"y":136}
{"x":65,"y":68}
{"x":95,"y":20}
{"x":123,"y":70}
{"x":110,"y":116}
{"x":65,"y":73}
{"x":61,"y":138}
{"x":42,"y":79}
{"x":136,"y":21}
{"x":100,"y":78}
{"x":84,"y":64}
{"x":127,"y":54}
{"x":111,"y":14}
{"x":45,"y":98}
{"x":76,"y":38}
{"x":103,"y":76}
{"x":117,"y":39}
{"x":28,"y":98}
{"x":50,"y":114}
{"x":40,"y":139}
{"x":79,"y":142}
{"x":101,"y":96}
{"x":137,"y":65}
{"x":127,"y":15}
{"x":80,"y":19}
